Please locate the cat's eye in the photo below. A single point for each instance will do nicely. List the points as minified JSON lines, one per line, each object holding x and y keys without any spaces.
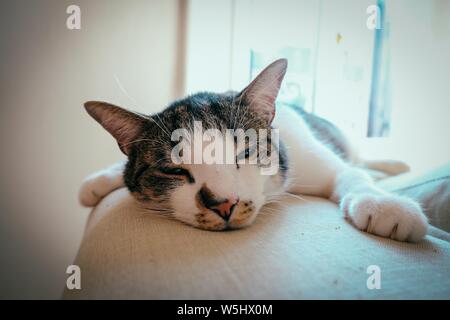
{"x":177,"y":171}
{"x":140,"y":171}
{"x":245,"y":154}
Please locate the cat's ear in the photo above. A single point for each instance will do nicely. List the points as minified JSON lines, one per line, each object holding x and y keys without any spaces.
{"x":261,"y":93}
{"x":123,"y":125}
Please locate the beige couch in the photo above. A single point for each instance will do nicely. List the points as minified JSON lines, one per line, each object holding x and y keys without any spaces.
{"x":302,"y":249}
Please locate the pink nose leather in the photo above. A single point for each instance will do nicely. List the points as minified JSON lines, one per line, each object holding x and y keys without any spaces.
{"x":226,"y":208}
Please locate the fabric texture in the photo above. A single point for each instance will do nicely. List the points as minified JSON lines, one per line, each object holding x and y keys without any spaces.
{"x":432,"y":190}
{"x":301,"y":249}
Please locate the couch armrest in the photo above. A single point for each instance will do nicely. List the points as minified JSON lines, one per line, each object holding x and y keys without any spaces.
{"x":301,"y":249}
{"x":431,"y":190}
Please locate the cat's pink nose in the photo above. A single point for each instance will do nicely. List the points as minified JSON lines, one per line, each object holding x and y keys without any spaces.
{"x":225,"y":208}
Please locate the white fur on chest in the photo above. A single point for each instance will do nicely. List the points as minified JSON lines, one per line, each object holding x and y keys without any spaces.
{"x":304,"y":153}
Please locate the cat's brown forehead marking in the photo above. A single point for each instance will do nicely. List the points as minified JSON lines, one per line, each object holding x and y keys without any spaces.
{"x":181,"y":108}
{"x":182,"y":112}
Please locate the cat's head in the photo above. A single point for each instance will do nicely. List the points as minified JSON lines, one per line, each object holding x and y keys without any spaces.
{"x":213,"y":196}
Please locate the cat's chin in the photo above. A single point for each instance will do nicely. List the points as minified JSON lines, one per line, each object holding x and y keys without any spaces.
{"x":230,"y":225}
{"x":241,"y":223}
{"x":224,"y":226}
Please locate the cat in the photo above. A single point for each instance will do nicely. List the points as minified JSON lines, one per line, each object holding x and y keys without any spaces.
{"x":314,"y":159}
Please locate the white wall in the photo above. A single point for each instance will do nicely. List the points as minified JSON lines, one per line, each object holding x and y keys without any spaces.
{"x":208,"y":60}
{"x":49,"y":143}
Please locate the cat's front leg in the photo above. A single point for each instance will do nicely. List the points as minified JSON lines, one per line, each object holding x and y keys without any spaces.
{"x":99,"y":184}
{"x":378,"y":212}
{"x":317,"y":171}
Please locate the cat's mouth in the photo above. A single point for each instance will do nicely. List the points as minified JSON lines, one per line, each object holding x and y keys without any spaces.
{"x":243,"y":215}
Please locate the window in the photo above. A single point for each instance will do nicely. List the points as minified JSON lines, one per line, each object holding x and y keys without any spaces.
{"x":328,"y":45}
{"x":385,"y":88}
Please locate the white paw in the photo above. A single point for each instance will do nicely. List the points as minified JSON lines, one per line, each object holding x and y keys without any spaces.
{"x":96,"y":186}
{"x":385,"y":215}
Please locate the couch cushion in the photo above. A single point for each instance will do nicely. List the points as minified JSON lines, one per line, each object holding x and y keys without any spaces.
{"x":432,"y":190}
{"x":304,"y":249}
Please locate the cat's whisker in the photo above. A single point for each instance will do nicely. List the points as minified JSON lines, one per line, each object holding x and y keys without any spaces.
{"x":278,"y":200}
{"x":233,"y":101}
{"x":244,"y":125}
{"x":138,"y":140}
{"x":243,"y":117}
{"x":122,"y":88}
{"x":237,"y":113}
{"x":162,"y":125}
{"x":295,"y":196}
{"x":266,"y":211}
{"x":125,"y":92}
